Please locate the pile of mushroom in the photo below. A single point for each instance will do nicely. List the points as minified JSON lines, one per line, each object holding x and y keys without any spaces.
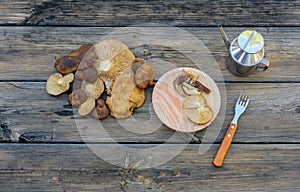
{"x":93,"y":69}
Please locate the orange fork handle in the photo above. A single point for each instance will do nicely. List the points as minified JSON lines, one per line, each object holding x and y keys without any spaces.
{"x":225,"y":145}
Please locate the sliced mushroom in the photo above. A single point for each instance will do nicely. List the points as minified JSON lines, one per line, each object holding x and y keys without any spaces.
{"x":58,"y":84}
{"x":86,"y":107}
{"x":95,"y":89}
{"x":201,"y":115}
{"x":199,"y":112}
{"x":114,"y":57}
{"x":194,"y":101}
{"x":189,"y":89}
{"x":187,"y":84}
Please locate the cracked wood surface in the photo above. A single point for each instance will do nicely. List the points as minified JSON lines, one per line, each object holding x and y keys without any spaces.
{"x":61,"y":167}
{"x":124,"y":13}
{"x":26,"y":107}
{"x":34,"y":50}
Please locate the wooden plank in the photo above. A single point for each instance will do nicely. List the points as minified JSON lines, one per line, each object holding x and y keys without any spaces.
{"x":272,"y":116}
{"x":252,"y":167}
{"x":28,"y":53}
{"x":176,"y":13}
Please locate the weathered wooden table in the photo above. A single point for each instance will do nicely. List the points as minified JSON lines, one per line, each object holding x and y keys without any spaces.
{"x":51,"y":156}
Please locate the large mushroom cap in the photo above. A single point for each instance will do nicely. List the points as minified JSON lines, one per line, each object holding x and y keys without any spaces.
{"x":114,"y":57}
{"x":57,"y":84}
{"x":125,"y":97}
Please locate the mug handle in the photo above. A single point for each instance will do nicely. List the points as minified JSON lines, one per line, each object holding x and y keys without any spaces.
{"x":263,"y":65}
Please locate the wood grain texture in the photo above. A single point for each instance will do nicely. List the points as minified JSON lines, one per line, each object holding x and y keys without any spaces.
{"x":124,"y":13}
{"x":29,"y":53}
{"x":272,"y":115}
{"x":75,"y":168}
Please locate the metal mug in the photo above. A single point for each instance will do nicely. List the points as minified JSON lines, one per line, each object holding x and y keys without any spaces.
{"x":246,"y":53}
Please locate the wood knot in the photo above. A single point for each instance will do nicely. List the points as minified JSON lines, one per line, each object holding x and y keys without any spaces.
{"x":297,"y":109}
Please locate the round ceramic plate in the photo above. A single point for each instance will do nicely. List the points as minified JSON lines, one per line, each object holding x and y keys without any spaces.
{"x":167,"y":103}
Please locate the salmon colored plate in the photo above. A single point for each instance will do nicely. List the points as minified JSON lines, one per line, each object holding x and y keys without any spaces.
{"x":167,"y":103}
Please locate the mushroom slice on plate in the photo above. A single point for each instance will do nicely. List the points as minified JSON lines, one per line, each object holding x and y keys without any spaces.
{"x":86,"y":107}
{"x":198,"y":112}
{"x":114,"y":57}
{"x":95,"y":89}
{"x":200,"y":115}
{"x":194,"y":101}
{"x":189,"y":89}
{"x":58,"y":84}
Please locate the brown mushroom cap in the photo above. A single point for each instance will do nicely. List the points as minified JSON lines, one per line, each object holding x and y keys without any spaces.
{"x":95,"y":89}
{"x":114,"y":57}
{"x":85,"y":55}
{"x":101,"y":111}
{"x":77,"y":97}
{"x":81,"y":51}
{"x":76,"y":84}
{"x":144,"y":75}
{"x":57,"y":84}
{"x":86,"y":107}
{"x":66,"y":64}
{"x":125,"y":97}
{"x":90,"y":74}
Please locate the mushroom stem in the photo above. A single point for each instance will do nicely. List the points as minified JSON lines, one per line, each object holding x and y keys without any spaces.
{"x":60,"y":81}
{"x":104,"y":65}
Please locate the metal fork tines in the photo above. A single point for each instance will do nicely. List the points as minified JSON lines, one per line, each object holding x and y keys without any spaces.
{"x":240,"y":107}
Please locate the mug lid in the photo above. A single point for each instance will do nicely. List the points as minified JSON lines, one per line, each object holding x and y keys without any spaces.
{"x":251,"y":41}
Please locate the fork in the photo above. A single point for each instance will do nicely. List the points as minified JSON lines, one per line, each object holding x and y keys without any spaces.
{"x":240,"y":108}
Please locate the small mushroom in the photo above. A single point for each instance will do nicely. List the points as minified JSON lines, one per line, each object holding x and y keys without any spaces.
{"x":95,"y":89}
{"x":86,"y":107}
{"x":101,"y":110}
{"x":57,"y":84}
{"x":144,"y":75}
{"x":136,"y":64}
{"x":114,"y":57}
{"x":66,"y":64}
{"x":76,"y":84}
{"x":90,"y":74}
{"x":77,"y":97}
